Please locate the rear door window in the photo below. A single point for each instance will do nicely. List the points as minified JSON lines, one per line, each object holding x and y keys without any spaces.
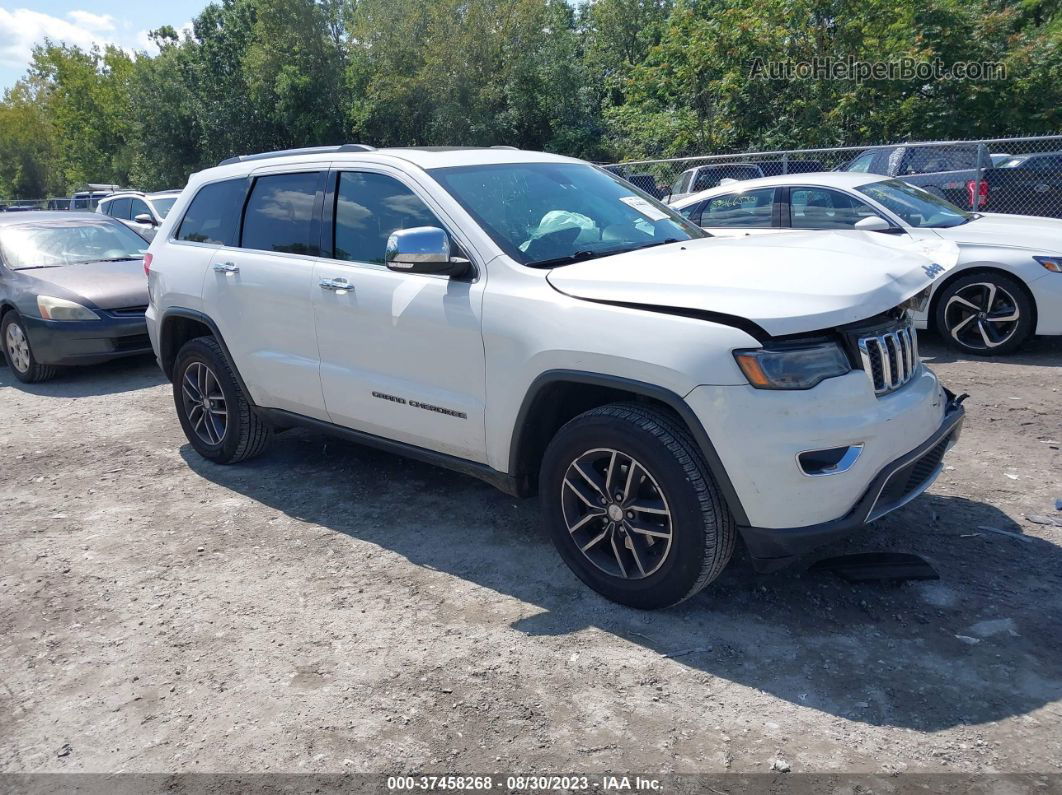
{"x":280,"y":212}
{"x":214,"y":214}
{"x":119,"y":208}
{"x":752,"y":209}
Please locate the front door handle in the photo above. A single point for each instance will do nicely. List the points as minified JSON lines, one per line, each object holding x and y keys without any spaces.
{"x":335,"y":284}
{"x":226,"y":267}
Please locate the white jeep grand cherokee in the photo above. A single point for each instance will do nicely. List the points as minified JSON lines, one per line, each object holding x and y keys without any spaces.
{"x":541,"y":324}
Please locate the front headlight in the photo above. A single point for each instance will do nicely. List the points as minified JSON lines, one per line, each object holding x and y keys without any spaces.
{"x":61,"y":309}
{"x":1053,"y":264}
{"x":792,"y":368}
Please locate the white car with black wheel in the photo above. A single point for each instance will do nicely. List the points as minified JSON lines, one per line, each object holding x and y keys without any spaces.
{"x":1006,"y":284}
{"x":541,"y":324}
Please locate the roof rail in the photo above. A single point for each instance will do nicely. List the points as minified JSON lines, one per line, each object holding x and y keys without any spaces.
{"x":306,"y":150}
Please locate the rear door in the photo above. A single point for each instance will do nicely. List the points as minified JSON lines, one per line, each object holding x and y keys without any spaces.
{"x":401,"y":353}
{"x":260,"y":291}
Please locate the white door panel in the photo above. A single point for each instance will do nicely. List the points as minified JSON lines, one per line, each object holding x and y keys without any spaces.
{"x":263,"y":304}
{"x":402,"y":356}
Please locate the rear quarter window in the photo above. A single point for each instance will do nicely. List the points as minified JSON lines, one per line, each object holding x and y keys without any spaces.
{"x":213,"y":214}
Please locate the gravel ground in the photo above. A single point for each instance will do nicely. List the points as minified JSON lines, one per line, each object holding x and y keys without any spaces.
{"x":331,"y":608}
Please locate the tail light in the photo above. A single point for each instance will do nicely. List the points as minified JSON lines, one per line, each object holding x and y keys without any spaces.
{"x":981,"y":189}
{"x":147,"y":264}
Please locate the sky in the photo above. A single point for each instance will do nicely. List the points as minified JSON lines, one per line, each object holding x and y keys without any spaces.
{"x":82,"y":22}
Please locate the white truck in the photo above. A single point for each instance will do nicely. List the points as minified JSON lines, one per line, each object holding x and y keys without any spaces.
{"x":541,"y":324}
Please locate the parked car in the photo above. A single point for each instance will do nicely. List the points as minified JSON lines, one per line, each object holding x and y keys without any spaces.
{"x":698,"y":178}
{"x":59,"y":203}
{"x":949,"y":171}
{"x":72,"y":291}
{"x":89,"y":197}
{"x":661,"y":390}
{"x":141,"y":212}
{"x":1025,"y":184}
{"x":1006,"y":285}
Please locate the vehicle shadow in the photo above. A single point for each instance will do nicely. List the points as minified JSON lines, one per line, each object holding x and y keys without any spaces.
{"x":1038,"y":351}
{"x":108,"y":378}
{"x":981,"y":644}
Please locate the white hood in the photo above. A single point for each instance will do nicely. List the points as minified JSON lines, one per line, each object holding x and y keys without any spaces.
{"x":1039,"y":235}
{"x":786,"y":284}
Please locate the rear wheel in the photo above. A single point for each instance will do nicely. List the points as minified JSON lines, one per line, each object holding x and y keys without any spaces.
{"x":985,"y":314}
{"x":631,"y":506}
{"x":214,"y":412}
{"x":18,"y":353}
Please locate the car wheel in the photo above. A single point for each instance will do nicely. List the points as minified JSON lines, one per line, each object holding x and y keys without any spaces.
{"x":985,"y":314}
{"x":214,"y":412}
{"x":18,"y":353}
{"x":632,"y":508}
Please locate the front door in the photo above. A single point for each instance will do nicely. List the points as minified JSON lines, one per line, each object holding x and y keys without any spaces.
{"x":401,"y":353}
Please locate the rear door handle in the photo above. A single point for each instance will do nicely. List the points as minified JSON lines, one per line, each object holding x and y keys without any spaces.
{"x":226,"y":267}
{"x":336,"y":284}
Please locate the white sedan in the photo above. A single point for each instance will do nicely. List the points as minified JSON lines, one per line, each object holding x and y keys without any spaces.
{"x":1006,"y":286}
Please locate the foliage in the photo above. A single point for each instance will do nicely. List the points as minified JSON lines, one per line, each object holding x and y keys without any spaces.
{"x":601,"y":79}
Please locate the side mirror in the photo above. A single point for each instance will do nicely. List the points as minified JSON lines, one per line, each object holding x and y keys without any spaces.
{"x":144,"y":218}
{"x":423,"y":249}
{"x":874,"y":223}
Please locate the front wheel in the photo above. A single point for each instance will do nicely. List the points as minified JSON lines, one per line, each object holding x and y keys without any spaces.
{"x":215,"y":414}
{"x":631,"y":507}
{"x":18,"y":353}
{"x":984,"y":314}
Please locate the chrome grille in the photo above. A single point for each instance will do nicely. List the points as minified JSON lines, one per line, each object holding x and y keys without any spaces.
{"x":890,"y":359}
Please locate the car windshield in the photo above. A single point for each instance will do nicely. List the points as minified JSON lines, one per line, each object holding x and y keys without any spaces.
{"x":917,"y":207}
{"x":548,"y":214}
{"x":42,"y":244}
{"x":162,"y":206}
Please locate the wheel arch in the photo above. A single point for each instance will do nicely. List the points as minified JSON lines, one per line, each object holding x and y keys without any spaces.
{"x":177,"y":326}
{"x":986,"y":268}
{"x":557,"y":396}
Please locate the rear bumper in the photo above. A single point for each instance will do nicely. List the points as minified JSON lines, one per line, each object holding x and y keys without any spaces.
{"x":86,"y":342}
{"x":895,"y":485}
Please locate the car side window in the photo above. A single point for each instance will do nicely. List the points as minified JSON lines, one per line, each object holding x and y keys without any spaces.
{"x":137,"y":207}
{"x":862,"y":163}
{"x":279,"y":215}
{"x":820,"y":208}
{"x":119,"y":208}
{"x":752,"y":208}
{"x":369,"y":207}
{"x":213,"y":215}
{"x":691,"y":212}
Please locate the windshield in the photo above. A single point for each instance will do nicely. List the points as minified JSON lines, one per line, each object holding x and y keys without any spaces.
{"x":42,"y":245}
{"x":550,"y":213}
{"x":915,"y":206}
{"x":162,"y":206}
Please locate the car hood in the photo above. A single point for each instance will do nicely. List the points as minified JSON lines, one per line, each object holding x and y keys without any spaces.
{"x":1044,"y":235}
{"x":785,"y":284}
{"x":106,"y":285}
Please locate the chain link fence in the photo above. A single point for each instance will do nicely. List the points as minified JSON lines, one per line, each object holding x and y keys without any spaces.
{"x":1005,"y":175}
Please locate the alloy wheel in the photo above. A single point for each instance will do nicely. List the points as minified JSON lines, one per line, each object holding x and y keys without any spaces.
{"x":204,"y":403}
{"x":616,"y":513}
{"x":982,"y":316}
{"x":18,"y":350}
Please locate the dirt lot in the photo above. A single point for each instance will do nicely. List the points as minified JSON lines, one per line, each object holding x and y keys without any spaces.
{"x":331,"y":608}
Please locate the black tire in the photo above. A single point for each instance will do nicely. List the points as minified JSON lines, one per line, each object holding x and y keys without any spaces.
{"x":702,"y":532}
{"x":32,"y":371}
{"x":245,"y":434}
{"x":964,"y":329}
